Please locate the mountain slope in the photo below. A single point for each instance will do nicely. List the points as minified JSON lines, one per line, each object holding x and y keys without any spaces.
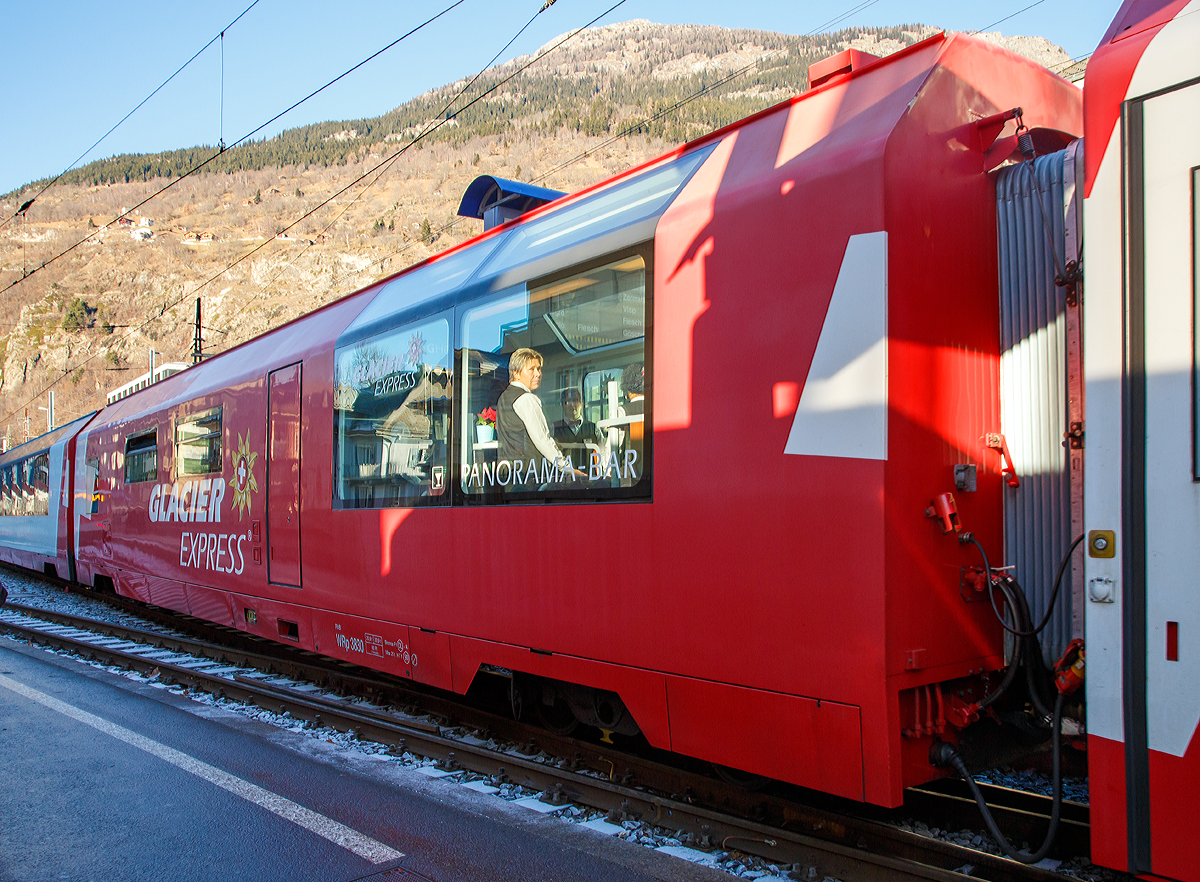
{"x":87,"y":321}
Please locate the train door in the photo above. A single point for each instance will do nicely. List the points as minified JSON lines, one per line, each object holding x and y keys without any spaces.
{"x":283,"y":476}
{"x":1160,"y":554}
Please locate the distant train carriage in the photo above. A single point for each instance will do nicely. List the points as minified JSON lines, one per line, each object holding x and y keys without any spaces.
{"x":1142,"y":214}
{"x":35,"y":525}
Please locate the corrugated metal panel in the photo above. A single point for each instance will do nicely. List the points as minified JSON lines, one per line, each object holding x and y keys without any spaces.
{"x":1033,"y":380}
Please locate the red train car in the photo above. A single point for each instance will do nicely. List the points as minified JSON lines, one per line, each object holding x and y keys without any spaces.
{"x":782,"y":338}
{"x":765,"y":360}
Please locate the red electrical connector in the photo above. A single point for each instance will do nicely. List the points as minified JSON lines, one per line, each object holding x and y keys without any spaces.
{"x":944,"y":510}
{"x":1068,"y":670}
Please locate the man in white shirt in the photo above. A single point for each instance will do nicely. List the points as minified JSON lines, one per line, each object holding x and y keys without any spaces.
{"x":521,"y":428}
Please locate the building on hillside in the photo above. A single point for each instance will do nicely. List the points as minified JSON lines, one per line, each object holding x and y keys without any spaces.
{"x":149,"y":378}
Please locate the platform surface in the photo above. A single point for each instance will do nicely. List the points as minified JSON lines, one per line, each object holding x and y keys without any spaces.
{"x":104,"y":778}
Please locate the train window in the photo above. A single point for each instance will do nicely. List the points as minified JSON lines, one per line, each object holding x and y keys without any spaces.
{"x":40,"y":484}
{"x":580,"y":436}
{"x":141,"y":458}
{"x":435,"y":279}
{"x":24,"y":489}
{"x":624,"y":205}
{"x":93,"y":484}
{"x":392,"y":407}
{"x":6,"y":494}
{"x":198,"y":444}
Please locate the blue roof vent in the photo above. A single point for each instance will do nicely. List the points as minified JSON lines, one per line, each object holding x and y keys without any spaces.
{"x":497,"y":200}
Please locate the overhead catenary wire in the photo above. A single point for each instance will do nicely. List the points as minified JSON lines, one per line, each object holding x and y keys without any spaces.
{"x":200,"y":165}
{"x":630,"y":129}
{"x":430,"y":129}
{"x":443,"y":117}
{"x":838,"y":19}
{"x":425,"y":133}
{"x":1007,"y":17}
{"x":221,"y":36}
{"x":633,"y":128}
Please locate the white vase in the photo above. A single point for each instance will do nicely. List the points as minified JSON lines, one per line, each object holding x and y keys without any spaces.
{"x":485,"y":433}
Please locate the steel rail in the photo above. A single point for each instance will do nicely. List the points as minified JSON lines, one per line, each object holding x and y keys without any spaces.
{"x":1022,"y":814}
{"x":834,"y":843}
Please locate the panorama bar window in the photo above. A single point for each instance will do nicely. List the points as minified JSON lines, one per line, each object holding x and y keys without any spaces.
{"x":567,"y":293}
{"x":141,"y":457}
{"x":555,"y":386}
{"x":198,"y":443}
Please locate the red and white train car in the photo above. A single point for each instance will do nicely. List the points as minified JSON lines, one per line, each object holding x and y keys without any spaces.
{"x":810,"y":295}
{"x":35,"y":493}
{"x":1142,"y":215}
{"x":788,"y":346}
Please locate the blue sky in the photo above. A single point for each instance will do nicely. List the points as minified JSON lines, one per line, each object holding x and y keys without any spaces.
{"x":73,"y":69}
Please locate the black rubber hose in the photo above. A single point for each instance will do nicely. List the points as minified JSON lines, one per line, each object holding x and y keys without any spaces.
{"x":969,"y":539}
{"x":1062,"y":569}
{"x":943,"y":754}
{"x":1010,"y":673}
{"x":1031,"y":650}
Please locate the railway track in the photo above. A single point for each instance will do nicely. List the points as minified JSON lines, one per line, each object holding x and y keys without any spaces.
{"x":698,"y":810}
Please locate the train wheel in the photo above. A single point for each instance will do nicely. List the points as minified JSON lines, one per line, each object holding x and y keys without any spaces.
{"x":558,"y":717}
{"x":741,"y":780}
{"x":517,"y":698}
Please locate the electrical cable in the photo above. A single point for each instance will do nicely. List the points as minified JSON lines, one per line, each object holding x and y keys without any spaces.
{"x":968,"y":538}
{"x":199,"y":51}
{"x":630,"y":129}
{"x":443,"y":118}
{"x":1010,"y":673}
{"x":1007,"y":17}
{"x":633,"y":128}
{"x":841,"y":18}
{"x":236,"y":143}
{"x":943,"y":754}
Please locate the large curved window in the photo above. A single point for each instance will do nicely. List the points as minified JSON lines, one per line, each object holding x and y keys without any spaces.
{"x":574,"y":430}
{"x":25,"y":487}
{"x":392,"y":408}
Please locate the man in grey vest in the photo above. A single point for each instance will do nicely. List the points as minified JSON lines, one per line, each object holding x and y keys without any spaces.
{"x":521,"y":428}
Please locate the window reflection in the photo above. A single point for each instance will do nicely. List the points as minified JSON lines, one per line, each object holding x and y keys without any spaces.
{"x":198,"y":444}
{"x":392,"y":401}
{"x":25,"y":487}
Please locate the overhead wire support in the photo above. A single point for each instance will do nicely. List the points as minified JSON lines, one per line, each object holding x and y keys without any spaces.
{"x":117,"y":125}
{"x":221,"y":129}
{"x":183,"y":176}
